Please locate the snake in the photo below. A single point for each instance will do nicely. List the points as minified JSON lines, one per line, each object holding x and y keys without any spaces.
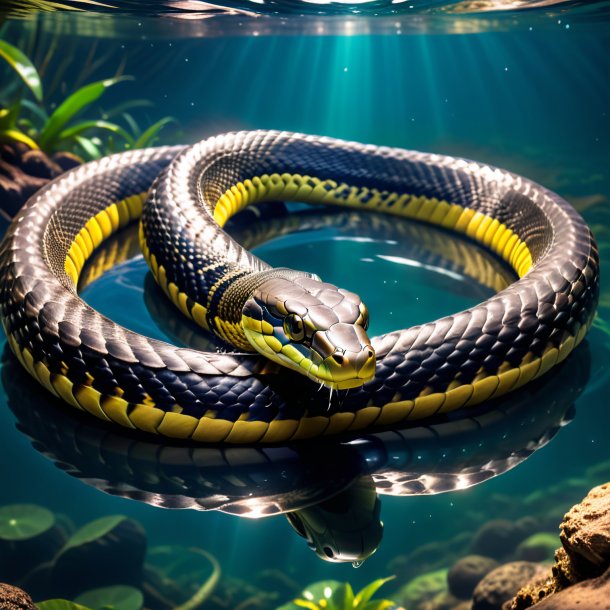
{"x":337,"y":510}
{"x":291,"y":332}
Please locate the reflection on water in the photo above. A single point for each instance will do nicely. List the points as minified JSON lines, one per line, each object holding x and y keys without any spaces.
{"x":338,"y":510}
{"x":197,"y":18}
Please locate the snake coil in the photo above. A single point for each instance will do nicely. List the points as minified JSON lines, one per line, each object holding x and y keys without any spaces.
{"x":121,"y":376}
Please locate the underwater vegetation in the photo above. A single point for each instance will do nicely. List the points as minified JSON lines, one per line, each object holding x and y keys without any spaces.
{"x":26,"y":121}
{"x":507,"y":563}
{"x":46,"y":556}
{"x":333,"y":595}
{"x":38,"y":143}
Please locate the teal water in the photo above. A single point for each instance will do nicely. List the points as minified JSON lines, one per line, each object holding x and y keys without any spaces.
{"x":527,"y":91}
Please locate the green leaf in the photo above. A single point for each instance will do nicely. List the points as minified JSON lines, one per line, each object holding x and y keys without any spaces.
{"x":383,"y":604}
{"x":122,"y":108}
{"x":36,"y":110}
{"x":147,"y":138}
{"x":23,"y":66}
{"x":71,"y":106}
{"x":94,"y":530}
{"x":59,"y":604}
{"x":91,"y":150}
{"x":364,"y":595}
{"x":119,"y":597}
{"x":24,"y":521}
{"x":132,"y":124}
{"x":76,"y":130}
{"x":342,"y":597}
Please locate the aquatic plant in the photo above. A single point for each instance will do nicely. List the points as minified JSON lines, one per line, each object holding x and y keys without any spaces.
{"x":60,"y":604}
{"x":181,"y":565}
{"x":29,"y":535}
{"x":334,"y":595}
{"x":116,"y":542}
{"x":119,"y":597}
{"x":26,"y":121}
{"x":23,"y":521}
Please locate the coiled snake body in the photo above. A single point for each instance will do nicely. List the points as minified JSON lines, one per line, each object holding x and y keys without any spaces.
{"x":291,"y":317}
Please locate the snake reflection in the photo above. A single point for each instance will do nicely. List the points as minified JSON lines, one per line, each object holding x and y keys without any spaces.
{"x":337,"y":512}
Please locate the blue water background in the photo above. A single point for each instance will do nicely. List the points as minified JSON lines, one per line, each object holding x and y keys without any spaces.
{"x":535,"y":100}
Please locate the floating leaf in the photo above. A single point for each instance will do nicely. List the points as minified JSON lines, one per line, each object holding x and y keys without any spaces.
{"x":23,"y":66}
{"x":24,"y":521}
{"x":119,"y":597}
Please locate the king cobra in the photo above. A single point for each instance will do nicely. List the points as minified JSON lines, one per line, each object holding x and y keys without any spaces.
{"x":302,"y":327}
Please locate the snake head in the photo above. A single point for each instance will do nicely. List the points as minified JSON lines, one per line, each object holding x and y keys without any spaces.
{"x":311,"y":327}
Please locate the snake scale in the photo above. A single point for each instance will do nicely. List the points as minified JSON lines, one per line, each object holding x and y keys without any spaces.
{"x":184,"y":195}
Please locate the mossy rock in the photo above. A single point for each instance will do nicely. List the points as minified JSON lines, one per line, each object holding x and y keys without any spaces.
{"x":29,"y":536}
{"x":539,"y":547}
{"x":422,"y":588}
{"x":105,"y":552}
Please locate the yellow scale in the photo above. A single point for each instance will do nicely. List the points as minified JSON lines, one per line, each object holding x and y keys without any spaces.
{"x":475,"y":225}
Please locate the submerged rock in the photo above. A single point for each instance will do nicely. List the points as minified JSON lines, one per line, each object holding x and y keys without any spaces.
{"x":466,"y":574}
{"x":539,"y":547}
{"x":422,"y":589}
{"x":592,"y":594}
{"x":497,"y":538}
{"x":585,"y":533}
{"x":13,"y":598}
{"x":502,"y":584}
{"x":23,"y":171}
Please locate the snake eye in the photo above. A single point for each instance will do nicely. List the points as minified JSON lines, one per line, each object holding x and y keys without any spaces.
{"x":294,"y":327}
{"x":363,"y":320}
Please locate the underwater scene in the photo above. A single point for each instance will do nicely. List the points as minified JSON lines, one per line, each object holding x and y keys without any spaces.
{"x":301,"y":462}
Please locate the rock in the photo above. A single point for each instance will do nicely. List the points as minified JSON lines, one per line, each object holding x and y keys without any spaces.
{"x":466,"y":574}
{"x":540,"y":586}
{"x":441,"y":601}
{"x":585,"y":533}
{"x":593,"y":594}
{"x":563,"y":570}
{"x":502,"y":584}
{"x":422,"y":589}
{"x":24,"y":171}
{"x":37,"y":164}
{"x":66,"y":160}
{"x":496,"y":539}
{"x":527,"y":526}
{"x":539,"y":547}
{"x":13,"y":598}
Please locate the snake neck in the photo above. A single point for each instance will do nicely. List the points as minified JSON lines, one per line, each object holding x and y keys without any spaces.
{"x":224,"y":311}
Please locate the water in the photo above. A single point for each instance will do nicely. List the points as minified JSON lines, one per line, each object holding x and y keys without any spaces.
{"x":525,"y":89}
